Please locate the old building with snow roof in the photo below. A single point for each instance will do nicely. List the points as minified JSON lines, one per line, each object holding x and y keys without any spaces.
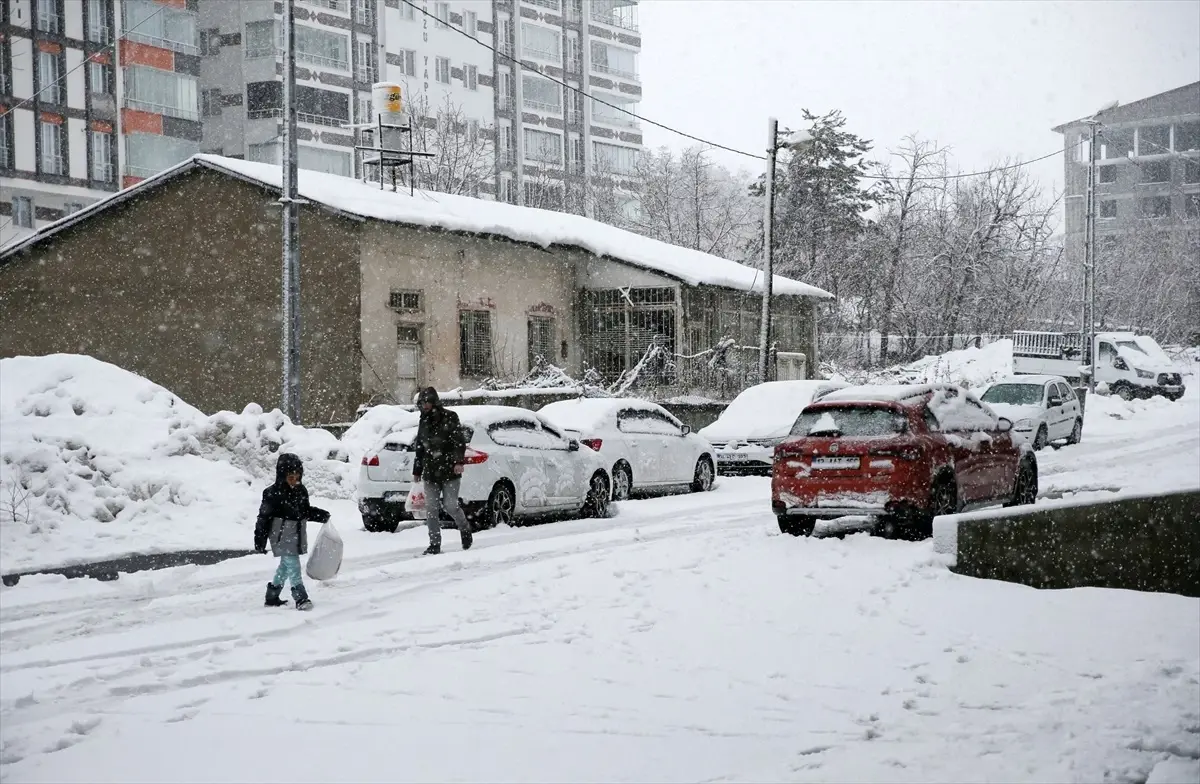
{"x":178,"y":279}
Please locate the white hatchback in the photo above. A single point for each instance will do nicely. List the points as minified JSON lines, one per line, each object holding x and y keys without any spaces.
{"x":518,"y":466}
{"x":760,"y":418}
{"x":1042,"y":408}
{"x":644,"y":446}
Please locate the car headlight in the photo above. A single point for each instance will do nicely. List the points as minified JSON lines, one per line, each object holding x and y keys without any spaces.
{"x":1023,"y":424}
{"x":1144,"y":373}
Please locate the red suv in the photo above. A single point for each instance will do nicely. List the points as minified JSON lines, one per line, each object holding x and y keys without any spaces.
{"x":901,"y":455}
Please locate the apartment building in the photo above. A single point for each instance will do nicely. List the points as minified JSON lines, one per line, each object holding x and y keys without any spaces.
{"x":96,"y":95}
{"x":1148,"y":168}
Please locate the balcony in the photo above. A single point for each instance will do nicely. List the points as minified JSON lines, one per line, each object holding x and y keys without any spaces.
{"x":183,"y":47}
{"x":49,"y":21}
{"x":617,"y":120}
{"x":551,"y":4}
{"x":301,"y":117}
{"x":543,"y":54}
{"x":614,"y":13}
{"x":543,"y":108}
{"x":612,"y":70}
{"x":163,"y":109}
{"x":140,"y":171}
{"x":332,"y":5}
{"x":506,"y":157}
{"x":100,"y":33}
{"x":102,"y":172}
{"x":52,"y":164}
{"x":52,"y":93}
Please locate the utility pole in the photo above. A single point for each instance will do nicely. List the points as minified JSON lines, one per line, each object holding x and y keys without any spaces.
{"x":764,"y":335}
{"x":291,"y":224}
{"x":1089,"y":264}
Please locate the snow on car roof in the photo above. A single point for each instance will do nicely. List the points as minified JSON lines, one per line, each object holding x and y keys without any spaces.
{"x":588,"y":413}
{"x":882,"y":393}
{"x":486,"y":415}
{"x":766,"y":410}
{"x":1030,"y":379}
{"x":448,"y":212}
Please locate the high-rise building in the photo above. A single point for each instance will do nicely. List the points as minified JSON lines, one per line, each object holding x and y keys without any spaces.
{"x":149,"y":83}
{"x":94,"y":95}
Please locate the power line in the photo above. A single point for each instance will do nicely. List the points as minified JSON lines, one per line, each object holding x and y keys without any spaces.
{"x":85,"y":61}
{"x":685,"y":134}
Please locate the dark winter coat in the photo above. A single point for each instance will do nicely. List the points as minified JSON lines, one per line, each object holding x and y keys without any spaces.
{"x":284,"y":511}
{"x":441,"y":441}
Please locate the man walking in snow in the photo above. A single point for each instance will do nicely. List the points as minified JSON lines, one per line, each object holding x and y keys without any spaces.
{"x":283,"y":521}
{"x":441,"y":447}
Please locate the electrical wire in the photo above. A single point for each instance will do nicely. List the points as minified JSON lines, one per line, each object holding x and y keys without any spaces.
{"x":85,"y":61}
{"x":685,"y":134}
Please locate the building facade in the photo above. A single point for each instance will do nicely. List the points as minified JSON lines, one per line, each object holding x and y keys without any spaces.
{"x":96,"y":95}
{"x":1148,"y":168}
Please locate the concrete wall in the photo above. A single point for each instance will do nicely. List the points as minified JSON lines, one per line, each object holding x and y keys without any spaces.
{"x":455,"y":272}
{"x":1144,"y":544}
{"x":181,"y":285}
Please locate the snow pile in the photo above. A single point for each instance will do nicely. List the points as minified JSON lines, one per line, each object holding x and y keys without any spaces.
{"x":765,"y":410}
{"x":252,"y":440}
{"x":970,"y":367}
{"x":375,"y":423}
{"x":97,"y":462}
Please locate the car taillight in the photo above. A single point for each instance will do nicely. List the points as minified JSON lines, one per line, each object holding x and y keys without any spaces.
{"x":474,"y":457}
{"x":593,"y":443}
{"x":373,"y":460}
{"x":902,"y":452}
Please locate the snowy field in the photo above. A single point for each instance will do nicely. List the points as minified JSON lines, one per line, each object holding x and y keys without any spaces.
{"x":683,"y":639}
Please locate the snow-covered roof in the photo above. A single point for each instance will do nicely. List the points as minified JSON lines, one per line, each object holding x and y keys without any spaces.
{"x":465,"y":214}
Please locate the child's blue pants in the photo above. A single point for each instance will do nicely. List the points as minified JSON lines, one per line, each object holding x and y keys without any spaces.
{"x":289,"y":569}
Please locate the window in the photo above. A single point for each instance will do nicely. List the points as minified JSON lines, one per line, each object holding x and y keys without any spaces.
{"x":407,"y":12}
{"x":470,"y":77}
{"x":407,"y":62}
{"x":1191,"y":170}
{"x":506,"y":193}
{"x":1107,"y":174}
{"x":71,"y":207}
{"x":266,"y":152}
{"x":1115,"y":143}
{"x":543,"y":195}
{"x":614,"y":60}
{"x":5,"y":77}
{"x":99,"y":79}
{"x":159,"y":24}
{"x":608,"y":112}
{"x":1191,"y":206}
{"x":323,"y":107}
{"x":541,"y":42}
{"x":1156,"y":207}
{"x":541,"y":93}
{"x":98,"y":28}
{"x":146,"y":154}
{"x":1187,"y":137}
{"x":473,"y":131}
{"x":261,"y":39}
{"x":541,"y":340}
{"x":51,"y":138}
{"x":319,"y":159}
{"x":22,"y":212}
{"x":442,"y":12}
{"x":366,"y":61}
{"x":364,"y":12}
{"x":613,"y":159}
{"x":443,"y":70}
{"x":475,"y":343}
{"x":164,"y":92}
{"x":1156,"y":171}
{"x":366,"y":112}
{"x":1154,"y":139}
{"x":49,"y":73}
{"x":543,"y":147}
{"x":1108,"y":208}
{"x":320,"y":47}
{"x":471,"y":23}
{"x":6,"y":142}
{"x":101,"y":144}
{"x":406,"y":301}
{"x":48,"y":18}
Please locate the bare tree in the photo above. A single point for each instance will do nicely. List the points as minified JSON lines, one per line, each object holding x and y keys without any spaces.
{"x":463,"y":150}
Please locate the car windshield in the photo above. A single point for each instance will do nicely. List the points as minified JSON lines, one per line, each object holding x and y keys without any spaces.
{"x":1014,"y":394}
{"x":1132,"y":346}
{"x":851,"y":421}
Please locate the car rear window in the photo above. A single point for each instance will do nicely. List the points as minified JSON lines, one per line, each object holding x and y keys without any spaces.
{"x":853,"y":421}
{"x":1014,"y":394}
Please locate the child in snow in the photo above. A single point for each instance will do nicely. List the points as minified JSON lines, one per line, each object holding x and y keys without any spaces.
{"x":282,"y":519}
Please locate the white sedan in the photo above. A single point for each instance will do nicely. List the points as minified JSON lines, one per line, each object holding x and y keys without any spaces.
{"x":518,"y":466}
{"x":1042,"y":408}
{"x":746,"y":433}
{"x":644,"y":446}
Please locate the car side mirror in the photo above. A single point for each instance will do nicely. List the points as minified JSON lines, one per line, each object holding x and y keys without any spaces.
{"x":573,"y":445}
{"x":686,"y":429}
{"x":1005,"y":425}
{"x":1055,"y":401}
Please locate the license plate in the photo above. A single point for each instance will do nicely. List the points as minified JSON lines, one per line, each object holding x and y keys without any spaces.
{"x":732,"y":456}
{"x":836,"y":462}
{"x":396,"y":497}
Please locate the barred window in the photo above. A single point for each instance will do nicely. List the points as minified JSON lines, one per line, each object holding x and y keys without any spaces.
{"x":475,"y":343}
{"x":405,"y":301}
{"x":541,"y":339}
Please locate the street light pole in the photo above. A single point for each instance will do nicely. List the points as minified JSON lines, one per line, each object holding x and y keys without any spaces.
{"x":1089,"y":289}
{"x":764,"y":334}
{"x":291,"y":224}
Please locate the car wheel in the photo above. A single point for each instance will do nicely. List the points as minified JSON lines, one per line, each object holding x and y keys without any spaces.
{"x":622,"y":481}
{"x":1076,"y":432}
{"x":501,"y":506}
{"x":796,"y":527}
{"x":943,"y":500}
{"x":1025,"y":489}
{"x":375,"y":523}
{"x":1125,"y":392}
{"x":703,"y":479}
{"x":597,"y":497}
{"x":1041,"y":439}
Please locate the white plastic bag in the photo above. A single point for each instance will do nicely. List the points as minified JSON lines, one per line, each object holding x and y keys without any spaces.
{"x":325,"y":558}
{"x":415,"y":503}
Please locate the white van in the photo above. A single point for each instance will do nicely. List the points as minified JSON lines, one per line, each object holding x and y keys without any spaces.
{"x":1131,"y":365}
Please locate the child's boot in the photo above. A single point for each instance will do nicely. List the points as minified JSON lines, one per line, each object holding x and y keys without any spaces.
{"x":301,"y":597}
{"x":273,"y":599}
